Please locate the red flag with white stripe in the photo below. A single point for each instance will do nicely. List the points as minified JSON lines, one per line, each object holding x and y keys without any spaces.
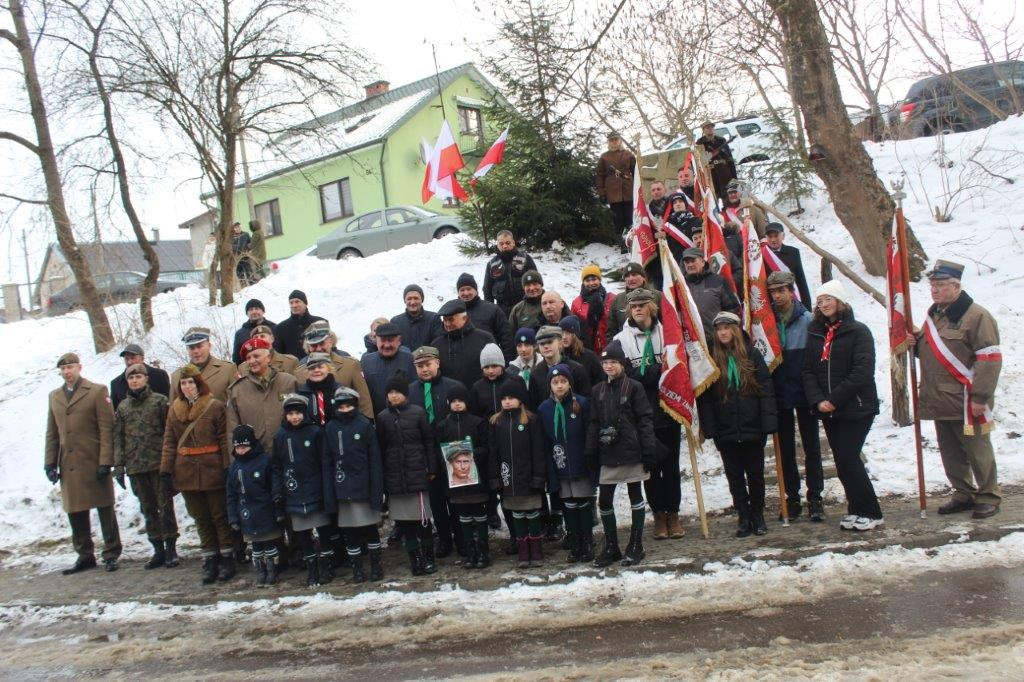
{"x":758,"y":318}
{"x":492,"y":158}
{"x":716,"y":253}
{"x":896,"y":296}
{"x":443,"y":160}
{"x":640,"y":238}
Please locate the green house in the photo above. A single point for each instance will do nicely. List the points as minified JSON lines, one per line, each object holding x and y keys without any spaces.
{"x":363,"y":157}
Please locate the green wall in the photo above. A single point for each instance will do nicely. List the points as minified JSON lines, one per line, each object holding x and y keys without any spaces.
{"x":298,"y":192}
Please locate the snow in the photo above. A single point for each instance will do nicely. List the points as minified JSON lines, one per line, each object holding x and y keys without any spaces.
{"x":985,"y":233}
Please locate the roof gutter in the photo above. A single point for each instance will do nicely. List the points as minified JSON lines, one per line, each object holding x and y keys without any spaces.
{"x":383,"y":177}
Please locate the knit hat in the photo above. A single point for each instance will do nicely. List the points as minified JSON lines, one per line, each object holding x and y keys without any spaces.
{"x":781,"y":278}
{"x":398,"y":382}
{"x":726,"y":317}
{"x":68,"y":359}
{"x":833,"y":288}
{"x":532,"y":277}
{"x":294,"y":401}
{"x":243,"y":435}
{"x":549,"y":331}
{"x":466,"y":280}
{"x":526,"y":335}
{"x":255,"y":303}
{"x":491,"y":355}
{"x":453,"y":307}
{"x":347,"y":394}
{"x":137,"y":368}
{"x":514,"y":389}
{"x":301,"y":295}
{"x":634,"y":269}
{"x":560,"y":370}
{"x":189,"y":371}
{"x":413,"y":287}
{"x":570,"y":323}
{"x":253,"y":344}
{"x":458,"y":392}
{"x":613,"y":351}
{"x":590,"y":271}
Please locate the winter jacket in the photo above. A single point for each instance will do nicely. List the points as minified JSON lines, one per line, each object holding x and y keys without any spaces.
{"x":566,"y":451}
{"x":711,"y":295}
{"x":204,"y":454}
{"x":790,"y":257}
{"x":347,"y":372}
{"x":460,"y":352}
{"x":282,"y":362}
{"x":633,"y":340}
{"x":620,"y":313}
{"x":377,"y":370}
{"x":255,"y":494}
{"x":456,"y":427}
{"x":593,"y":339}
{"x":321,"y":399}
{"x":729,"y":416}
{"x":439,"y":388}
{"x":622,"y":404}
{"x":966,"y":328}
{"x":503,"y":278}
{"x":518,"y":465}
{"x":78,"y":441}
{"x":159,"y":382}
{"x":615,"y":176}
{"x":139,"y":431}
{"x":418,"y":331}
{"x":787,"y":378}
{"x":244,"y":333}
{"x":591,"y":363}
{"x":517,"y":368}
{"x":847,"y":378}
{"x":483,"y":395}
{"x":540,"y":388}
{"x":257,"y":402}
{"x":288,"y":333}
{"x":563,"y":313}
{"x":489,"y":318}
{"x":526,"y":313}
{"x":218,"y":375}
{"x":296,"y":454}
{"x":351,"y":460}
{"x":407,"y":449}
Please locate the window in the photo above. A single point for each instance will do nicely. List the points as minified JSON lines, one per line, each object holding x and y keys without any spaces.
{"x":722,"y":132}
{"x":471,"y":123}
{"x":368,"y":221}
{"x":269,"y":215}
{"x":400,"y":216}
{"x":335,"y":200}
{"x":747,"y":129}
{"x":452,"y":202}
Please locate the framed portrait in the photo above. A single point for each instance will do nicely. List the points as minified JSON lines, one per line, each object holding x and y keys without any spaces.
{"x":458,"y":459}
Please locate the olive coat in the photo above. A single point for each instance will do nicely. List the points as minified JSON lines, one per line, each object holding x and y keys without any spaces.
{"x":78,"y":442}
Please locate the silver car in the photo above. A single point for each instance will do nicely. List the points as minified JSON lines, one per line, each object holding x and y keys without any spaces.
{"x":386,"y":229}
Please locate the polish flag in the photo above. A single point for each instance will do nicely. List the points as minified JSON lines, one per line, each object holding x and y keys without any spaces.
{"x":491,"y":158}
{"x":443,"y":160}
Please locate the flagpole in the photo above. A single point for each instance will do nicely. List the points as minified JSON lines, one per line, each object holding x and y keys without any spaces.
{"x":901,"y":237}
{"x":698,"y":489}
{"x":783,"y":504}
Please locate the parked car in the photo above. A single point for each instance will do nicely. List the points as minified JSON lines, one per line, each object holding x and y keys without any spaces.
{"x":114,"y":287}
{"x":749,"y":138}
{"x":944,"y":103}
{"x":383,"y":230}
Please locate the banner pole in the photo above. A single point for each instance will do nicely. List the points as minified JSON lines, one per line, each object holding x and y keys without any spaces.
{"x":783,"y":505}
{"x":698,"y":490}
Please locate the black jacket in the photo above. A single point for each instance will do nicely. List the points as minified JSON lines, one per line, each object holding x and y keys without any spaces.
{"x":540,"y":389}
{"x":518,"y":465}
{"x":483,"y":395}
{"x":377,"y":370}
{"x":566,"y":451}
{"x":159,"y":382}
{"x":503,"y":278}
{"x":621,"y":404}
{"x":457,"y":426}
{"x":439,"y":388}
{"x":242,"y":335}
{"x":418,"y":331}
{"x":254,"y":492}
{"x":711,"y":295}
{"x":297,"y":459}
{"x":591,"y":363}
{"x":490,"y":318}
{"x":460,"y":352}
{"x":729,"y":416}
{"x":288,"y":334}
{"x":790,"y":255}
{"x":407,"y":449}
{"x":317,"y":392}
{"x":351,"y":461}
{"x":847,"y":378}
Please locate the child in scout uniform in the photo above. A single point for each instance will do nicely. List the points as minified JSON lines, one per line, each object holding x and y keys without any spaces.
{"x":255,"y":498}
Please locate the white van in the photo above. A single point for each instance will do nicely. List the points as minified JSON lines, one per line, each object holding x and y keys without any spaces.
{"x":749,"y":138}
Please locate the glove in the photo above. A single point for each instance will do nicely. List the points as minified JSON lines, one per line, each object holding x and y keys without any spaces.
{"x":119,"y":477}
{"x":102,"y":472}
{"x":52,"y":474}
{"x":167,"y":482}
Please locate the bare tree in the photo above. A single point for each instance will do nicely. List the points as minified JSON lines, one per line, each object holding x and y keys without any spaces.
{"x":43,"y":149}
{"x":214,"y":70}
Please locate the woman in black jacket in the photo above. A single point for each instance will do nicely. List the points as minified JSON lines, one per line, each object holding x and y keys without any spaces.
{"x":407,"y":451}
{"x":518,"y":468}
{"x":839,"y":380}
{"x":620,"y":439}
{"x":738,"y":412}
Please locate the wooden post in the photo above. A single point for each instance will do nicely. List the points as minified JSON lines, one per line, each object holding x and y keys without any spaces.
{"x":701,"y":514}
{"x":783,"y":502}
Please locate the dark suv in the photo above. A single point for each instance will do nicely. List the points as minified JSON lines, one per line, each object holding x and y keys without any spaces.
{"x":115,"y":287}
{"x":955,"y":102}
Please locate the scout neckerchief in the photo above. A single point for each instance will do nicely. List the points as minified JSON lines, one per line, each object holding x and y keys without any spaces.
{"x":428,"y":401}
{"x":647,"y":359}
{"x":734,"y":374}
{"x":560,"y":420}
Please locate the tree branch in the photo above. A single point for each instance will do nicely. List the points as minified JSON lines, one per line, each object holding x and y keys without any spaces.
{"x":5,"y":135}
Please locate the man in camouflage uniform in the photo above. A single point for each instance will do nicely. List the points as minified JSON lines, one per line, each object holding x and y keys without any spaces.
{"x":138,"y":442}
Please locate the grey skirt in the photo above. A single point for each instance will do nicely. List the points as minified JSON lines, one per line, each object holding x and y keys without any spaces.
{"x":356,"y":513}
{"x":409,"y":507}
{"x":262,"y":537}
{"x":625,"y":473}
{"x":521,"y":502}
{"x":307,"y":521}
{"x":575,"y":487}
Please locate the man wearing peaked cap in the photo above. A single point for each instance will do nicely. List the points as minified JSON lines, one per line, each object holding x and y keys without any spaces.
{"x":382,"y":363}
{"x":527,"y":312}
{"x":958,"y":333}
{"x":255,"y":313}
{"x":319,"y":338}
{"x":217,"y":373}
{"x":159,"y":381}
{"x":460,"y":345}
{"x":633,"y":276}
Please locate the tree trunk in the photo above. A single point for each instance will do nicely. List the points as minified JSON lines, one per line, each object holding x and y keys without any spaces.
{"x":860,"y":199}
{"x":102,"y":336}
{"x":227,"y":218}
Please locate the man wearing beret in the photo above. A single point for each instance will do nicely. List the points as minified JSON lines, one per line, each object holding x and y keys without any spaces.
{"x":256,"y":398}
{"x":256,"y":312}
{"x":218,"y":374}
{"x":158,"y":381}
{"x":288,"y":334}
{"x":960,"y":364}
{"x":79,"y":454}
{"x":282,"y":362}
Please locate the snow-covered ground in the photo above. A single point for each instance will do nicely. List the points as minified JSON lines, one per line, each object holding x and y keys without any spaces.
{"x":981,"y":182}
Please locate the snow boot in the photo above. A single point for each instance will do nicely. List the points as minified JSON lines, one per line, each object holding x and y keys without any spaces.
{"x":312,"y":570}
{"x":536,"y":550}
{"x":675,"y":527}
{"x":635,"y":552}
{"x":429,"y":562}
{"x":444,"y":548}
{"x":227,"y":570}
{"x":611,"y":552}
{"x":523,"y":546}
{"x":376,"y":568}
{"x":573,"y":555}
{"x":170,"y":554}
{"x":483,"y":553}
{"x":471,"y":555}
{"x":159,"y":558}
{"x":273,"y":562}
{"x":660,"y":525}
{"x":816,"y":510}
{"x":757,"y":523}
{"x":210,"y":565}
{"x":743,"y":527}
{"x":326,"y":568}
{"x":358,"y":575}
{"x":259,"y":563}
{"x":416,"y":562}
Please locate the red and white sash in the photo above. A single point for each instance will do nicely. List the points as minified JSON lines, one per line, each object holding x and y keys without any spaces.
{"x":775,"y":264}
{"x":963,"y":374}
{"x":677,"y":234}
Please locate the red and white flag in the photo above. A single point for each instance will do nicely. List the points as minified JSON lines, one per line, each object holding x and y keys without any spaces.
{"x":443,"y":160}
{"x":896,"y":298}
{"x":758,"y":318}
{"x":492,"y":158}
{"x":716,"y":253}
{"x":696,"y":206}
{"x":640,"y":238}
{"x":687,"y":368}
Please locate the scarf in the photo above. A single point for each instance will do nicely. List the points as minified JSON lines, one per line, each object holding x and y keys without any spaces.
{"x":595,"y":310}
{"x":428,"y":401}
{"x":560,"y":421}
{"x":734,"y":374}
{"x":647,"y":359}
{"x":830,"y":336}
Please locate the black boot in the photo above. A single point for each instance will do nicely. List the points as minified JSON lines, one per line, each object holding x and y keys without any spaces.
{"x":444,"y":547}
{"x":494,"y":521}
{"x":326,"y":566}
{"x":574,"y":548}
{"x":743,"y":527}
{"x":170,"y":554}
{"x":376,"y":568}
{"x":483,"y":553}
{"x":358,"y":575}
{"x":159,"y":558}
{"x":816,"y":510}
{"x":416,"y":562}
{"x":635,"y":552}
{"x":226,"y":571}
{"x":312,"y":570}
{"x":471,"y":555}
{"x":611,"y":552}
{"x":81,"y":564}
{"x":259,"y":564}
{"x":273,"y":567}
{"x":210,"y":565}
{"x":427,"y":551}
{"x":586,"y":550}
{"x":757,"y":523}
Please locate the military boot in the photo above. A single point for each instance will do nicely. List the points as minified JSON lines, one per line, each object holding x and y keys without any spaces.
{"x":376,"y":568}
{"x":159,"y":558}
{"x":210,"y":565}
{"x":170,"y":554}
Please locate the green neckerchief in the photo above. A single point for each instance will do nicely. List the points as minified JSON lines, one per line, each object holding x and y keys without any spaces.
{"x":647,"y":359}
{"x":428,"y":401}
{"x":734,"y":374}
{"x":525,"y":372}
{"x":783,"y":319}
{"x":560,"y":421}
